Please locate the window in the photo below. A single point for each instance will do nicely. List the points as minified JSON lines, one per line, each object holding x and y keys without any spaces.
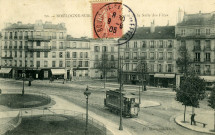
{"x":38,"y":54}
{"x":60,"y":54}
{"x":143,"y":44}
{"x":208,"y":44}
{"x":45,"y":63}
{"x":74,"y":63}
{"x":15,"y":36}
{"x":152,"y":44}
{"x":183,"y":43}
{"x":15,"y":63}
{"x":208,"y":57}
{"x":38,"y":63}
{"x":197,"y":45}
{"x":61,"y":35}
{"x":81,"y":54}
{"x":54,"y":35}
{"x":127,"y":66}
{"x":160,"y":55}
{"x":46,"y":45}
{"x":68,"y":54}
{"x":67,"y":44}
{"x":197,"y":57}
{"x":207,"y":69}
{"x":61,"y":45}
{"x":159,"y":68}
{"x":96,"y":57}
{"x":53,"y":54}
{"x":144,"y":55}
{"x":26,"y":35}
{"x":152,"y":67}
{"x":45,"y":54}
{"x":134,"y":66}
{"x":86,"y":54}
{"x":38,"y":43}
{"x":135,"y":44}
{"x":170,"y":44}
{"x":60,"y":63}
{"x":11,"y":35}
{"x":20,"y":54}
{"x":54,"y":45}
{"x":31,"y":54}
{"x":112,"y":49}
{"x":26,"y":44}
{"x":208,"y":31}
{"x":80,"y":64}
{"x":15,"y":54}
{"x":6,"y":35}
{"x":127,"y":55}
{"x":15,"y":45}
{"x":67,"y":63}
{"x":160,"y":44}
{"x":20,"y":63}
{"x":112,"y":57}
{"x":74,"y":45}
{"x":151,"y":55}
{"x":31,"y":63}
{"x":104,"y":48}
{"x":197,"y":69}
{"x":96,"y":48}
{"x":74,"y":55}
{"x":135,"y":55}
{"x":86,"y":63}
{"x":127,"y":45}
{"x":169,"y":68}
{"x":169,"y":56}
{"x":197,"y":31}
{"x":20,"y":35}
{"x":183,"y":32}
{"x":53,"y":63}
{"x":20,"y":45}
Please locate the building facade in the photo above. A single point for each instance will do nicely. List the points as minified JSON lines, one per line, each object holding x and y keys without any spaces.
{"x":197,"y":33}
{"x":34,"y":49}
{"x":156,"y":46}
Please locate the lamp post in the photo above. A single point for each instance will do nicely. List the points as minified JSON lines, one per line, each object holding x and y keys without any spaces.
{"x":87,"y":94}
{"x":121,"y":68}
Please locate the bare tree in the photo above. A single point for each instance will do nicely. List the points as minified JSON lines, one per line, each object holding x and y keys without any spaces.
{"x":105,"y":65}
{"x":142,"y":70}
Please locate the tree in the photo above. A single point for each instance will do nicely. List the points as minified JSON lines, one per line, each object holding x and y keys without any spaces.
{"x":105,"y":65}
{"x":211,"y":102}
{"x":184,"y":62}
{"x":142,"y":69}
{"x":191,"y":91}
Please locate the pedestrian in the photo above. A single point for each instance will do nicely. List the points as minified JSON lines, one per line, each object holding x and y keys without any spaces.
{"x":193,"y":119}
{"x":50,"y":80}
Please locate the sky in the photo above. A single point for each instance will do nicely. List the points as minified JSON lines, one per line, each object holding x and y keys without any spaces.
{"x":79,"y":23}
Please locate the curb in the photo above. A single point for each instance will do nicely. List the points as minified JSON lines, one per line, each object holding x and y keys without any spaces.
{"x":210,"y":133}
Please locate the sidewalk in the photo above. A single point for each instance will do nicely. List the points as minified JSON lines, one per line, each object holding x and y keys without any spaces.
{"x":201,"y":116}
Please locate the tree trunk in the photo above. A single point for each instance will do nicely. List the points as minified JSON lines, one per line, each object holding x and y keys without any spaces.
{"x":193,"y":110}
{"x":184,"y":112}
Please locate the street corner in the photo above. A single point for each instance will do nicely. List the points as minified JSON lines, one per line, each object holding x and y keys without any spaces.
{"x":201,"y":119}
{"x":148,"y":103}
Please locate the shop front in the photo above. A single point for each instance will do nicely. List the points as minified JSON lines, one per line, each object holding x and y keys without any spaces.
{"x":164,"y":80}
{"x":6,"y":72}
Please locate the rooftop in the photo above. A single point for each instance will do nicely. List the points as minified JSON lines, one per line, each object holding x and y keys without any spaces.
{"x":161,"y":32}
{"x":198,"y":19}
{"x":46,"y":25}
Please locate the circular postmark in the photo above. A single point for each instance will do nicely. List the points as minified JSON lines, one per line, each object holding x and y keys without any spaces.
{"x":115,"y":20}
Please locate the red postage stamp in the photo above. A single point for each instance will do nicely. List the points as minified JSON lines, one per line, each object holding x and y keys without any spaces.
{"x":107,"y":20}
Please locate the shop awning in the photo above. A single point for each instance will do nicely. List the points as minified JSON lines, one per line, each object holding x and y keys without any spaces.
{"x":58,"y":71}
{"x":164,"y":75}
{"x":208,"y":78}
{"x":5,"y":70}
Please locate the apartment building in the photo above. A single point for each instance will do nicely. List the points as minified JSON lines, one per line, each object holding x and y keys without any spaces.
{"x":197,"y":33}
{"x":156,"y":46}
{"x":38,"y":50}
{"x":77,"y":58}
{"x":104,"y":58}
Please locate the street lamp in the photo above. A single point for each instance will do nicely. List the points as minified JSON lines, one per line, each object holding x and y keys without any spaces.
{"x":87,"y":94}
{"x":121,"y":85}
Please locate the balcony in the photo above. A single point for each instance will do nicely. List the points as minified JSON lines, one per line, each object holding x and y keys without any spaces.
{"x":39,"y":38}
{"x":197,"y":48}
{"x":207,"y":72}
{"x":207,"y":48}
{"x":196,"y":59}
{"x":207,"y":60}
{"x":7,"y":57}
{"x":39,"y":49}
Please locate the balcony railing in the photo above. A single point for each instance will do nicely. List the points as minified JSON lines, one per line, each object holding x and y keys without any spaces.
{"x":197,"y":48}
{"x":207,"y":48}
{"x":207,"y":60}
{"x":39,"y":38}
{"x":7,"y":57}
{"x":196,"y":60}
{"x":38,"y":49}
{"x":207,"y":72}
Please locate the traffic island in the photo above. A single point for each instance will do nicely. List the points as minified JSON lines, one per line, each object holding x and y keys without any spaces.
{"x":15,"y":101}
{"x":54,"y":125}
{"x":201,"y":119}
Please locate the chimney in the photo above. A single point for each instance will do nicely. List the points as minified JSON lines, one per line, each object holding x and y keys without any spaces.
{"x":167,"y":23}
{"x":38,"y":22}
{"x":62,"y":24}
{"x":152,"y":28}
{"x":19,"y":22}
{"x":180,"y":15}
